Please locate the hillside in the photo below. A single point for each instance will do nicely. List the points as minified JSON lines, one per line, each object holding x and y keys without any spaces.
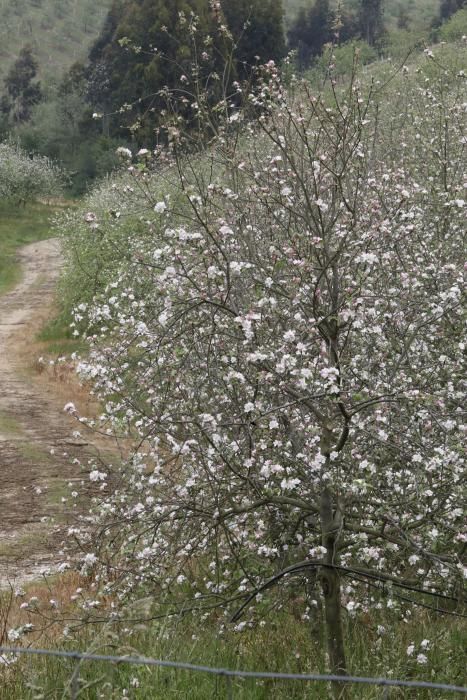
{"x":419,"y":12}
{"x":60,"y":31}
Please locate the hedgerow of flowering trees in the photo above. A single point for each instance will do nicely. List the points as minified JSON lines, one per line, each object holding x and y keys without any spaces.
{"x":281,"y":339}
{"x":24,"y":178}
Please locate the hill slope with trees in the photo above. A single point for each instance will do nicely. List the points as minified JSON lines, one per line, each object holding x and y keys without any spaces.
{"x":144,"y":44}
{"x":417,"y":13}
{"x":58,"y":32}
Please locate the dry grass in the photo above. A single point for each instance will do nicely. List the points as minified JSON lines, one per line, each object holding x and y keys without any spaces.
{"x":45,"y":616}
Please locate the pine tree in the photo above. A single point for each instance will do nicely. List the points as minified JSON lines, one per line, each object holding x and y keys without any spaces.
{"x":310,"y":32}
{"x":122,"y":76}
{"x":140,"y":51}
{"x":22,"y":90}
{"x":371,"y":20}
{"x":257,"y":27}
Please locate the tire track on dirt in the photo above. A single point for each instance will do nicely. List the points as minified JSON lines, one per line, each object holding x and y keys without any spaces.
{"x":35,"y":435}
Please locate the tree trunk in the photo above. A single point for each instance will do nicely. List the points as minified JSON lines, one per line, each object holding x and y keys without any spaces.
{"x":334,"y":633}
{"x":313,"y":590}
{"x":330,"y":583}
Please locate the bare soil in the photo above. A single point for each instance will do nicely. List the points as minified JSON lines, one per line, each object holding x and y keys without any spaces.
{"x":38,"y":441}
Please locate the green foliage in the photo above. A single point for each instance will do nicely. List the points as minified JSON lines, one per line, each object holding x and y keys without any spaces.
{"x":399,"y":42}
{"x":455,"y":28}
{"x":143,"y":49}
{"x":449,"y":7}
{"x":310,"y":32}
{"x":62,"y":128}
{"x":95,"y":159}
{"x":416,"y":15}
{"x":318,"y":25}
{"x":325,"y":22}
{"x":147,"y":46}
{"x":344,"y":57}
{"x":257,"y":28}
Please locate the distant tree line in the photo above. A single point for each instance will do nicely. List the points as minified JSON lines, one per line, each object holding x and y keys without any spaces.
{"x":323,"y":22}
{"x":120,"y":92}
{"x":141,"y":50}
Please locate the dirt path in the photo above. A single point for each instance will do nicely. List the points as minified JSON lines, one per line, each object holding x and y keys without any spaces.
{"x":37,"y":445}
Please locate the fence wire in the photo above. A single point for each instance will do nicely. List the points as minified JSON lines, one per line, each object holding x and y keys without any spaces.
{"x":228,"y":674}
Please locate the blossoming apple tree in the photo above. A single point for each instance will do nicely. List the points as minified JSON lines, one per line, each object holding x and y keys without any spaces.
{"x":282,"y":343}
{"x":24,"y":178}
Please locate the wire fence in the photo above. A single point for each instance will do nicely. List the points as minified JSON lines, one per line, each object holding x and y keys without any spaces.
{"x":227,"y":674}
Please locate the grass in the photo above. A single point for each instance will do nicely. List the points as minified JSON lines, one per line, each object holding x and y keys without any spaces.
{"x":29,"y":541}
{"x":273,"y":648}
{"x":19,"y":226}
{"x":9,"y":425}
{"x":60,"y":31}
{"x":57,"y":338}
{"x":34,"y":453}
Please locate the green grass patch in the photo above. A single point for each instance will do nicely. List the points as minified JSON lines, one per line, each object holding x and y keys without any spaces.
{"x":28,"y":542}
{"x":57,"y":337}
{"x":9,"y":424}
{"x":285,"y":644}
{"x":57,"y":489}
{"x":19,"y":226}
{"x":34,"y":453}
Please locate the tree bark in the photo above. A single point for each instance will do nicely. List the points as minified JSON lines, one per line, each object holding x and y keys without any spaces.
{"x":331,"y":522}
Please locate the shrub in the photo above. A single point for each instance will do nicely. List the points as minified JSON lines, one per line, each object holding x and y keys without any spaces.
{"x":455,"y":29}
{"x":26,"y":177}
